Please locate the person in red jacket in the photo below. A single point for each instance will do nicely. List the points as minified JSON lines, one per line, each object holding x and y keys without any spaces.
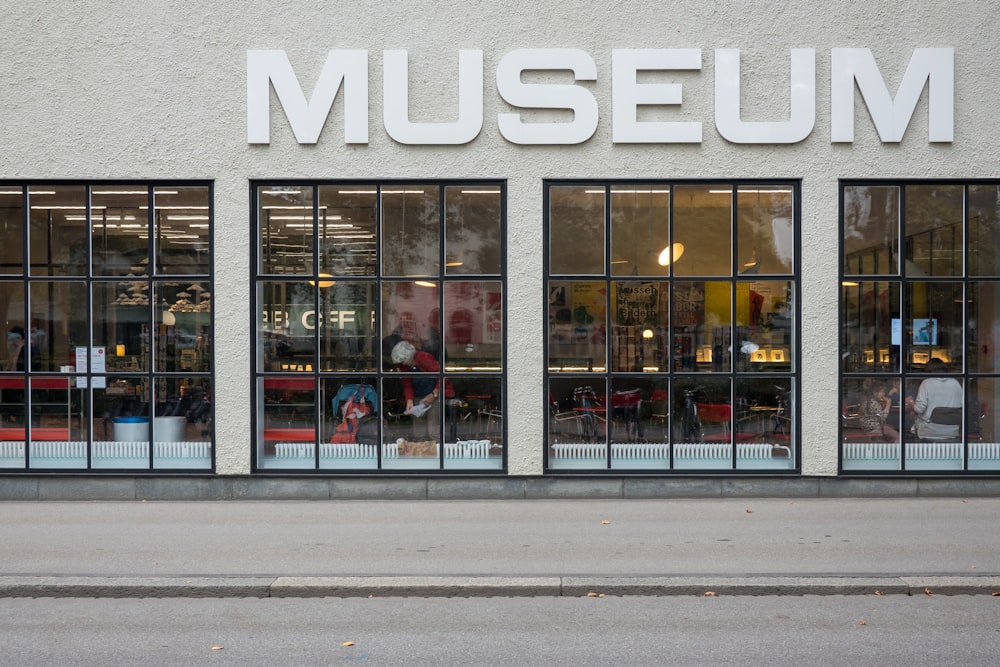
{"x":422,"y":393}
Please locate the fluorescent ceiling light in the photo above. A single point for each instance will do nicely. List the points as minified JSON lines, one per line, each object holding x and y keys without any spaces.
{"x":119,"y":192}
{"x":402,"y":192}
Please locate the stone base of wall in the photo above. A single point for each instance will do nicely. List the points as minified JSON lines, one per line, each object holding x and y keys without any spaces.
{"x":34,"y":487}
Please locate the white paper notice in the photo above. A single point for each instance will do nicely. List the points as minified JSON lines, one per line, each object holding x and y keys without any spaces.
{"x":97,"y":365}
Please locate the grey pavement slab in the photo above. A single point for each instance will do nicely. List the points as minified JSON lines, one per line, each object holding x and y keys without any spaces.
{"x":502,"y":546}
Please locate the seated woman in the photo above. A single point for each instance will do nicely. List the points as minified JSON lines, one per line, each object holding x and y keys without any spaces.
{"x":875,"y":407}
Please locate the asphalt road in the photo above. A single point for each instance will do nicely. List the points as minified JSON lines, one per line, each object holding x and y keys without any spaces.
{"x":854,"y":630}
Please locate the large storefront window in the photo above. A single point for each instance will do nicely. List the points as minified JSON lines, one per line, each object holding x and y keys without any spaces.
{"x":672,"y":334}
{"x":919,"y":315}
{"x":107,"y":298}
{"x":379,"y":326}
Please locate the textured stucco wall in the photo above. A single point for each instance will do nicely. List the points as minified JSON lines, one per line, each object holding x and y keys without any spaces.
{"x":108,"y":89}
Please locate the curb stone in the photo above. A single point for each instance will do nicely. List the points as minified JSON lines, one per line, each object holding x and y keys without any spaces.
{"x":466,"y":586}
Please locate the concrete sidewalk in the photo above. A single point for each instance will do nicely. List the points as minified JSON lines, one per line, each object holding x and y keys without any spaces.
{"x":501,"y":548}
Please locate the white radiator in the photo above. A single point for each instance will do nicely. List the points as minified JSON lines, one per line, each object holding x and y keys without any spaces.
{"x":640,"y":451}
{"x":984,"y":451}
{"x":682,"y":451}
{"x":106,"y":449}
{"x":463,"y":449}
{"x":921,"y":451}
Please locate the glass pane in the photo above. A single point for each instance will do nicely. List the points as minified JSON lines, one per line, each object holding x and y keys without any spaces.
{"x":119,"y":219}
{"x":936,"y":408}
{"x":871,"y":332}
{"x":11,"y":230}
{"x":287,"y":422}
{"x":348,"y":230}
{"x":58,"y":235}
{"x":871,"y":230}
{"x":183,"y":332}
{"x":576,"y":230}
{"x":182,"y":227}
{"x":873,"y":414}
{"x":411,"y":312}
{"x":640,"y":223}
{"x":577,"y":326}
{"x":413,"y":418}
{"x":473,"y":326}
{"x":703,"y":226}
{"x":703,"y":423}
{"x":474,"y":424}
{"x":347,"y":337}
{"x":639,"y":315}
{"x":702,"y":327}
{"x":349,"y":435}
{"x":764,"y":423}
{"x":764,"y":325}
{"x":637,"y":423}
{"x":984,"y":230}
{"x":58,"y":324}
{"x":287,"y":326}
{"x":12,"y":302}
{"x":52,"y":424}
{"x":285,"y":218}
{"x":411,"y":230}
{"x":933,"y":228}
{"x":626,"y":424}
{"x":121,"y":325}
{"x":766,"y":235}
{"x":182,"y":423}
{"x":578,"y":423}
{"x":983,"y":304}
{"x":934,"y":324}
{"x":983,"y":425}
{"x":472,"y":230}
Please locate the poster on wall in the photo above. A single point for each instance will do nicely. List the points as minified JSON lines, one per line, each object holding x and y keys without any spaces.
{"x":637,"y":304}
{"x":689,"y":304}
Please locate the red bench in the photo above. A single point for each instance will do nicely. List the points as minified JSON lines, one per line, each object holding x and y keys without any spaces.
{"x":37,"y":433}
{"x":290,"y":434}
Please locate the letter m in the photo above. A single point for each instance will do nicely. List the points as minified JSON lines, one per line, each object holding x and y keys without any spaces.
{"x":267,"y":68}
{"x":891,"y":116}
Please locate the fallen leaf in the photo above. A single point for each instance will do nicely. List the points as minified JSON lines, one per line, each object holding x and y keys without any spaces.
{"x":600,"y":595}
{"x":605,"y":522}
{"x":879,"y":593}
{"x":862,"y":622}
{"x":995,"y":594}
{"x":710,"y":594}
{"x":591,"y":594}
{"x":928,"y":591}
{"x":749,"y":511}
{"x":348,"y":644}
{"x":965,"y":501}
{"x":972,"y":567}
{"x":216,"y":648}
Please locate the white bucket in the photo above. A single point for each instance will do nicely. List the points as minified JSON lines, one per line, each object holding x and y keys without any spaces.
{"x":168,"y":429}
{"x":132,"y":429}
